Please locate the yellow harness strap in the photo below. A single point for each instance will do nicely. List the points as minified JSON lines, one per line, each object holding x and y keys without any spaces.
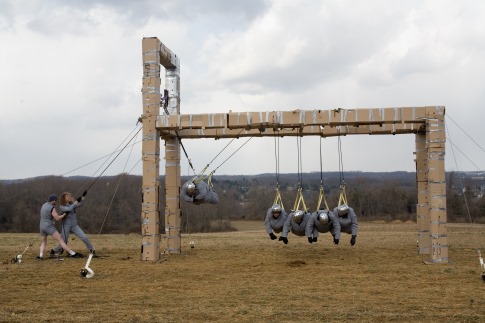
{"x":299,"y":199}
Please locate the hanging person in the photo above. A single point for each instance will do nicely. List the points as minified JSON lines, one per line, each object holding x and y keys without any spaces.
{"x":322,"y":221}
{"x":296,"y":223}
{"x":48,"y":216}
{"x":199,"y":193}
{"x":275,"y":220}
{"x":69,"y":225}
{"x":348,"y":221}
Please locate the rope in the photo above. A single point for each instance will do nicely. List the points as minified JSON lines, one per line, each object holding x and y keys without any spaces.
{"x":468,"y":211}
{"x":299,"y":195}
{"x":321,"y":195}
{"x":277,"y":199}
{"x":343,"y":196}
{"x":476,"y":143}
{"x":96,"y":179}
{"x":200,"y":177}
{"x":117,"y":186}
{"x":225,"y":160}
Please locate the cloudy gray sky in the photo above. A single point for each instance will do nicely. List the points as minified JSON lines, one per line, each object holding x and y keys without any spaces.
{"x":71,"y":74}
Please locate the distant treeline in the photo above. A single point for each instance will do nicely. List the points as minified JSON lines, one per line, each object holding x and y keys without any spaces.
{"x":113,"y":204}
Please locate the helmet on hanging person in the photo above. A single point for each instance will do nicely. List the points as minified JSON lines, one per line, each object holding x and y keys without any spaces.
{"x":322,"y":216}
{"x":276,"y":208}
{"x":343,"y":210}
{"x":298,"y":216}
{"x":191,"y":188}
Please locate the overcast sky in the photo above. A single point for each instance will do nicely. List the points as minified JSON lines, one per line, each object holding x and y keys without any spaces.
{"x":71,"y":75}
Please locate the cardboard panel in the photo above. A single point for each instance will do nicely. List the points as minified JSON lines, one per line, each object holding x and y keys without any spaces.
{"x":150,"y":227}
{"x":150,"y":248}
{"x":422,"y":197}
{"x":172,"y":204}
{"x":437,"y":215}
{"x":438,"y":188}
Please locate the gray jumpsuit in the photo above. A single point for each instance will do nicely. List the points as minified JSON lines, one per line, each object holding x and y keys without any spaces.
{"x":271,"y":224}
{"x":69,"y":225}
{"x":204,"y":194}
{"x":295,"y":228}
{"x":314,"y":226}
{"x":47,"y":223}
{"x":348,"y":223}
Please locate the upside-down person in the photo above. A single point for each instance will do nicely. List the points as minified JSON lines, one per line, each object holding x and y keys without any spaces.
{"x":199,"y":193}
{"x":348,"y":221}
{"x":296,"y":223}
{"x":275,"y":220}
{"x":69,"y":225}
{"x":322,"y":221}
{"x":48,"y":216}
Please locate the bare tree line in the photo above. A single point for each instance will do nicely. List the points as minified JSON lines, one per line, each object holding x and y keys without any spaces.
{"x":113,"y":204}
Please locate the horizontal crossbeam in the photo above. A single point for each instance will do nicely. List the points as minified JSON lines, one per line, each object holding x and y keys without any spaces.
{"x":325,"y":123}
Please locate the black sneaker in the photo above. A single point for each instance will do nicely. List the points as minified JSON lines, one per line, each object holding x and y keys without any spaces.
{"x":54,"y":254}
{"x":39,"y":258}
{"x":76,"y":255}
{"x":93,"y":252}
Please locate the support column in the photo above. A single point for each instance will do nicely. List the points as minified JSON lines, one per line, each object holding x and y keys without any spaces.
{"x":172,"y":155}
{"x":150,"y":213}
{"x":422,"y":208}
{"x":435,"y":145}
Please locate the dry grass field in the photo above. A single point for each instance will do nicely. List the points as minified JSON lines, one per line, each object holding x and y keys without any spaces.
{"x":243,"y":276}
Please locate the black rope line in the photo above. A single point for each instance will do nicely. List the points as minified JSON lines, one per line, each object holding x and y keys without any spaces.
{"x":117,"y":186}
{"x":224,"y":149}
{"x":277,"y":158}
{"x":340,"y":159}
{"x":96,"y":179}
{"x":231,"y":154}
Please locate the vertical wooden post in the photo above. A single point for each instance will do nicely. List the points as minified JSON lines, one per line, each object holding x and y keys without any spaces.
{"x":150,"y":213}
{"x":172,"y":155}
{"x":422,"y":208}
{"x":435,"y":145}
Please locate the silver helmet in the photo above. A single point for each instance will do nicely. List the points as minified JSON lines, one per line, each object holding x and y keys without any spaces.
{"x":343,"y":210}
{"x":276,"y":208}
{"x":298,"y":216}
{"x":191,"y":188}
{"x":322,"y":216}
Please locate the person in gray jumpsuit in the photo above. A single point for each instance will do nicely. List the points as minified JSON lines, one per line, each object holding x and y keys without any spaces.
{"x":348,"y":221}
{"x":48,"y":216}
{"x":320,"y":222}
{"x":275,"y":220}
{"x":296,"y":223}
{"x":69,"y":224}
{"x":199,"y":193}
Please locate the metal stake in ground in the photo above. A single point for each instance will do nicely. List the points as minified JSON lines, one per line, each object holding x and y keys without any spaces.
{"x":18,"y":258}
{"x":87,"y":272}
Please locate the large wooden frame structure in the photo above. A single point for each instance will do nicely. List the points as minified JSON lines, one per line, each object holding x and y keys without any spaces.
{"x":426,"y":123}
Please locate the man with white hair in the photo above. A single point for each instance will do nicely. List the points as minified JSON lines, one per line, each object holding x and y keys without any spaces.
{"x":199,"y":193}
{"x":348,"y":221}
{"x":275,"y":220}
{"x":320,"y":222}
